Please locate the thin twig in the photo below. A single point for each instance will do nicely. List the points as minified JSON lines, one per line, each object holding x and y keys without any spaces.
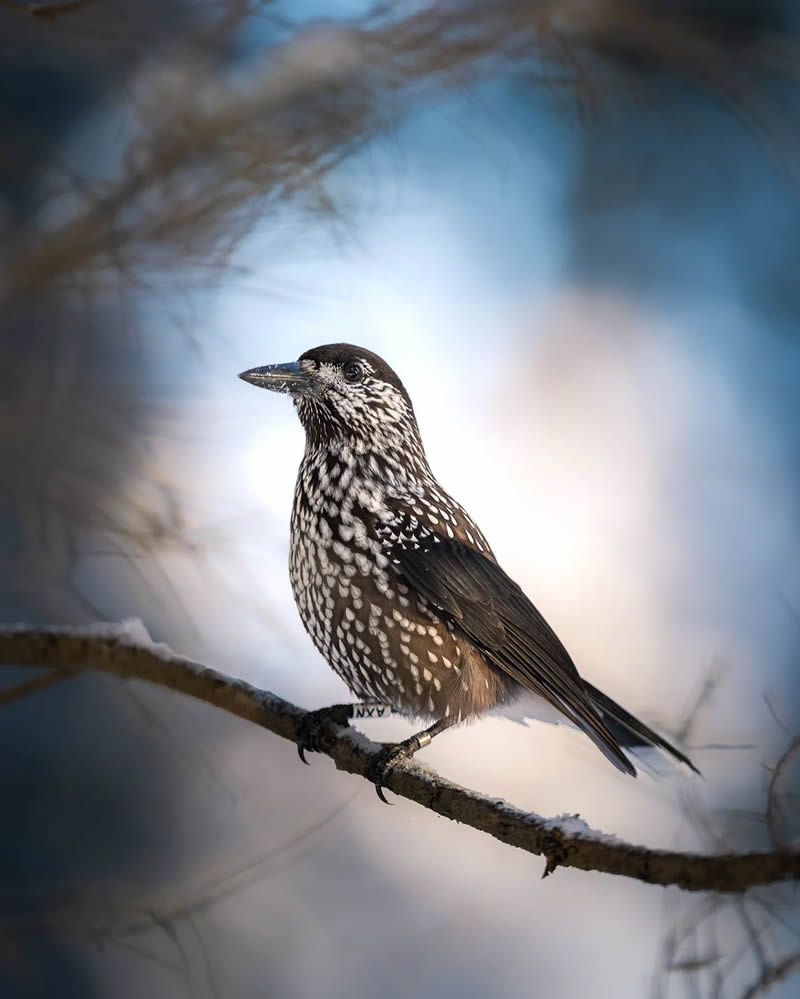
{"x":35,"y":685}
{"x":772,"y":975}
{"x":46,"y":11}
{"x":773,"y":800}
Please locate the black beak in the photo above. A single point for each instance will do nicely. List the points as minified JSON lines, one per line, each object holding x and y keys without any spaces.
{"x":281,"y":378}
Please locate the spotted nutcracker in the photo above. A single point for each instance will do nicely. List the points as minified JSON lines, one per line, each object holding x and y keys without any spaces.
{"x":396,"y":584}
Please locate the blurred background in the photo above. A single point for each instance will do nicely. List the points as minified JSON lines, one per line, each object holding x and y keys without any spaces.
{"x":572,"y":228}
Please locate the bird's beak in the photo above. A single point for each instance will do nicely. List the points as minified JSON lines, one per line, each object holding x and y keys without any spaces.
{"x":290,"y":378}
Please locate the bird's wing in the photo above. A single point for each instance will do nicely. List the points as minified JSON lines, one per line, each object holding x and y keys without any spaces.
{"x":491,"y":609}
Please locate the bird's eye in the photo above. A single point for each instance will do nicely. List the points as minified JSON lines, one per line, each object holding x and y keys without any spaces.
{"x":353,"y":372}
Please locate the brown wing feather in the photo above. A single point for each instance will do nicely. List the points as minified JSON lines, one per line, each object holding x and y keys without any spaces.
{"x":491,"y":609}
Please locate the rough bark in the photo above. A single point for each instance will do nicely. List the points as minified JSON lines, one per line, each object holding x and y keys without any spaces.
{"x":125,"y":651}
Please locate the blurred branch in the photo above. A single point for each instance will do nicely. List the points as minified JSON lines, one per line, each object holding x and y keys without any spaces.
{"x":45,"y":11}
{"x":208,"y":159}
{"x":773,"y":798}
{"x":35,"y":685}
{"x":776,"y":973}
{"x":126,"y":651}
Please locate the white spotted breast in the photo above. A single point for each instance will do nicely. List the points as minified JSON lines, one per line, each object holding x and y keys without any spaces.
{"x":387,"y":643}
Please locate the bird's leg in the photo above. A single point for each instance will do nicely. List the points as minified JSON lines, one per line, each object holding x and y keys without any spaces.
{"x":381,"y":765}
{"x":314,"y":723}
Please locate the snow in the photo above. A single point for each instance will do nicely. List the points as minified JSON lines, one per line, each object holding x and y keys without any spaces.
{"x":130,"y":631}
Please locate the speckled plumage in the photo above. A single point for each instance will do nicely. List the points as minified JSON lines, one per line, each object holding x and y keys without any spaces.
{"x":395,"y":583}
{"x":364,"y":494}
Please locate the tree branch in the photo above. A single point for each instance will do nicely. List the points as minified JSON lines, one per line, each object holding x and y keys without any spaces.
{"x":35,"y":684}
{"x":125,"y":650}
{"x":45,"y":11}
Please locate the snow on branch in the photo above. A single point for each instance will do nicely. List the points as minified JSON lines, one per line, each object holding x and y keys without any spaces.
{"x":125,"y":650}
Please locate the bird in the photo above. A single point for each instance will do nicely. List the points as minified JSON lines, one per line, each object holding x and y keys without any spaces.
{"x":397,"y":586}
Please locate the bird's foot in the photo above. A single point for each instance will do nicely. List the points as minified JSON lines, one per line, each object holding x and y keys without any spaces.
{"x":314,"y":723}
{"x":383,"y":763}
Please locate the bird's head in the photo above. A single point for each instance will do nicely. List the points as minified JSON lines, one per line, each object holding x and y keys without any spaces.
{"x":345,"y":395}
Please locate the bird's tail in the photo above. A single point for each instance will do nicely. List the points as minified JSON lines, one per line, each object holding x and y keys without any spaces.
{"x":631,"y":733}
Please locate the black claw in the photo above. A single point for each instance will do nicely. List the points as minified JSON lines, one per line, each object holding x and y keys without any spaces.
{"x":381,"y":795}
{"x":307,"y":738}
{"x":382,"y":765}
{"x":312,"y":725}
